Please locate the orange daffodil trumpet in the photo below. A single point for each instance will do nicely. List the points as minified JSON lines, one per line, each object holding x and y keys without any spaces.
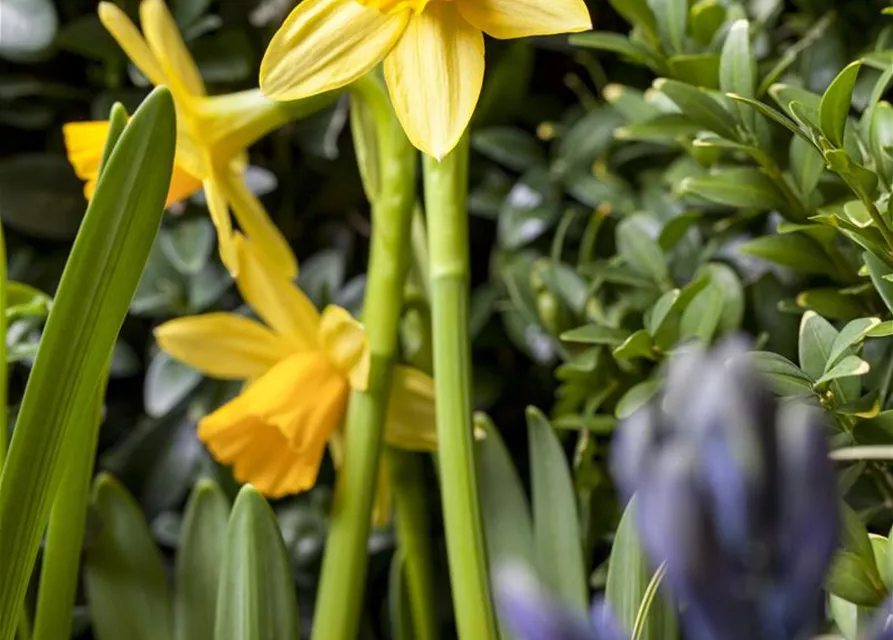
{"x":213,"y":132}
{"x":300,"y":367}
{"x":433,"y":53}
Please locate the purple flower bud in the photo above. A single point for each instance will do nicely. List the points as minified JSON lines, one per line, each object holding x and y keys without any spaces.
{"x":736,"y":494}
{"x":533,"y":614}
{"x":883,"y":622}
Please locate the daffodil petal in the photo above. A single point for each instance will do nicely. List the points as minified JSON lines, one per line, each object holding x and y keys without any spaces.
{"x":506,"y":19}
{"x":256,"y":224}
{"x":275,"y":298}
{"x":218,"y":207}
{"x":410,"y":421}
{"x":222,"y":345}
{"x":84,"y":145}
{"x":327,"y":44}
{"x":131,"y":41}
{"x":183,"y":185}
{"x":344,"y":341}
{"x":275,"y":432}
{"x":167,"y":44}
{"x":434,"y":76}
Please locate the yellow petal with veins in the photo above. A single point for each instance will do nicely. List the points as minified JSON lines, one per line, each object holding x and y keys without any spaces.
{"x":275,"y":432}
{"x":131,"y":41}
{"x":167,"y":44}
{"x":218,"y":207}
{"x":344,"y":341}
{"x":434,"y":76}
{"x":327,"y":44}
{"x":410,"y":421}
{"x":521,"y":18}
{"x":256,"y":223}
{"x":222,"y":345}
{"x":280,"y":303}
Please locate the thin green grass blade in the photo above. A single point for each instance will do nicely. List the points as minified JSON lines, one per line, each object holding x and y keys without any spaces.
{"x":90,"y":305}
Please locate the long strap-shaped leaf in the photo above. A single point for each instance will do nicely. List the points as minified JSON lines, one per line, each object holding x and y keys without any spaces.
{"x":90,"y":305}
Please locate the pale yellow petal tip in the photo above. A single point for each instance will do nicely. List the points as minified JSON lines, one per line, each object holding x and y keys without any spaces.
{"x":110,"y":13}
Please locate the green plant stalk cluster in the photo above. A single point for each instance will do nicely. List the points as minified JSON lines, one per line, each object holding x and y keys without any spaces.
{"x":342,"y":582}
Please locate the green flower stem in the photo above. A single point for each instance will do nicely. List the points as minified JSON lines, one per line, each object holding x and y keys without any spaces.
{"x":413,"y":534}
{"x":446,"y":193}
{"x":343,"y":578}
{"x":4,"y":414}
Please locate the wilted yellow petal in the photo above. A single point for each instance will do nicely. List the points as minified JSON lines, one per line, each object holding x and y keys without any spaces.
{"x":275,"y":432}
{"x":327,"y":44}
{"x":131,"y":41}
{"x":410,"y":420}
{"x":222,"y":345}
{"x":434,"y":75}
{"x":256,"y":224}
{"x":219,"y":210}
{"x":521,"y":18}
{"x":280,"y":303}
{"x":167,"y":44}
{"x":344,"y":341}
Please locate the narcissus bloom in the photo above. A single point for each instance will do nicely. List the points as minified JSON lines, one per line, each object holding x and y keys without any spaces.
{"x":299,"y":370}
{"x":433,"y":52}
{"x":213,"y":132}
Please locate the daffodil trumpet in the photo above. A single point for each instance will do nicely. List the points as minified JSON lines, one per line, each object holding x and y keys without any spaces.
{"x":341,"y":587}
{"x":213,"y":133}
{"x":433,"y":53}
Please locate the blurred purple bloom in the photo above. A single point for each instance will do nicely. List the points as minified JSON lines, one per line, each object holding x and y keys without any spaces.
{"x":883,"y":623}
{"x":736,"y":494}
{"x":531,"y":613}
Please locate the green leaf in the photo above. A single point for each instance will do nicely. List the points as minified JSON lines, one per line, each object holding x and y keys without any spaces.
{"x":90,"y":305}
{"x":124,"y":570}
{"x":629,"y":574}
{"x":795,"y":251}
{"x":699,"y":106}
{"x":660,"y":312}
{"x":784,"y":376}
{"x":702,"y":317}
{"x":188,"y":245}
{"x":167,"y":383}
{"x":636,"y":398}
{"x":853,"y":333}
{"x":514,"y":148}
{"x":556,"y":523}
{"x":613,"y":42}
{"x":877,"y":270}
{"x":737,"y":71}
{"x":850,"y":578}
{"x":256,"y":600}
{"x":775,"y":115}
{"x":848,"y":366}
{"x":835,"y":106}
{"x":596,"y":334}
{"x":739,"y":187}
{"x":199,"y":558}
{"x":807,"y":165}
{"x":698,"y":69}
{"x":817,"y":337}
{"x":672,"y":22}
{"x":705,"y":19}
{"x":640,"y":250}
{"x":507,"y":521}
{"x":638,"y":14}
{"x":638,"y":345}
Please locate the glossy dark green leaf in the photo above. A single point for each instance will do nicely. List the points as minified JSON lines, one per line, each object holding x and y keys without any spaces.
{"x":807,"y":165}
{"x":124,"y":570}
{"x":737,"y":73}
{"x":199,"y":558}
{"x":256,"y":600}
{"x":638,"y":345}
{"x":740,"y":187}
{"x":629,"y":576}
{"x":556,"y":529}
{"x":640,"y":250}
{"x":795,"y":251}
{"x":835,"y":106}
{"x":817,"y":337}
{"x":699,"y":106}
{"x":877,"y":269}
{"x":774,"y":115}
{"x":784,"y":376}
{"x":514,"y":148}
{"x":596,"y":334}
{"x":90,"y":305}
{"x":846,"y":367}
{"x":851,"y":335}
{"x":636,"y":398}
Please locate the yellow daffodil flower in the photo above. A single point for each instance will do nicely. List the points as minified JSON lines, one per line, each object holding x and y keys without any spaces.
{"x":213,"y":132}
{"x":433,"y":52}
{"x":299,"y":368}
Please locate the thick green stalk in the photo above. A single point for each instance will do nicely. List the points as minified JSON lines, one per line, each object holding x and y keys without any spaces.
{"x":413,"y":535}
{"x":343,"y":580}
{"x":446,"y":194}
